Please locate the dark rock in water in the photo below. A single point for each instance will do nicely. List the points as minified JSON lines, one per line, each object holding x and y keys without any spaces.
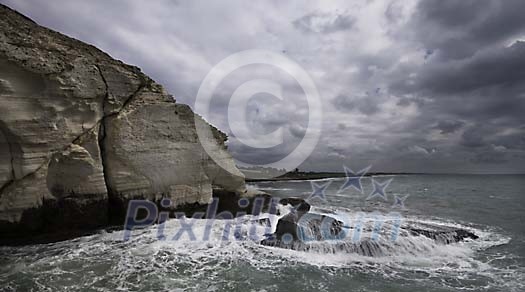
{"x":302,"y":207}
{"x":287,"y":225}
{"x":305,"y":226}
{"x":237,"y":205}
{"x":305,"y":231}
{"x":301,"y":226}
{"x":444,"y":235}
{"x":298,"y":203}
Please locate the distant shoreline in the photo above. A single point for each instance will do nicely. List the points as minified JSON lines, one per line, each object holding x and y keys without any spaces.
{"x":320,"y":175}
{"x":323,"y":175}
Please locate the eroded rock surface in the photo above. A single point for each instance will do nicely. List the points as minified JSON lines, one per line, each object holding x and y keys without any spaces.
{"x":307,"y":231}
{"x":82,"y":133}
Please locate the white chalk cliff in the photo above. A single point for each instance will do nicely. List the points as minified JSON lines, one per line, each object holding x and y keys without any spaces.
{"x":81,"y":133}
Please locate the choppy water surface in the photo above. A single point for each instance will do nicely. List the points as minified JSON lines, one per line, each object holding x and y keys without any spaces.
{"x":490,"y":206}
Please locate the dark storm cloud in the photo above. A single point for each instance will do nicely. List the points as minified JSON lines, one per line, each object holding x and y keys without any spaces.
{"x":490,"y":157}
{"x":501,"y":66}
{"x":515,"y":140}
{"x":472,"y":80}
{"x":458,"y":29}
{"x":485,"y":91}
{"x":449,"y":126}
{"x":475,"y":137}
{"x":490,"y":134}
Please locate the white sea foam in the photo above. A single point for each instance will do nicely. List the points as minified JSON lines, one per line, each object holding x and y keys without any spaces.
{"x":203,"y":263}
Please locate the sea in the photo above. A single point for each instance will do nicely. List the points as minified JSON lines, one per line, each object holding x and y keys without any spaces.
{"x":199,"y":255}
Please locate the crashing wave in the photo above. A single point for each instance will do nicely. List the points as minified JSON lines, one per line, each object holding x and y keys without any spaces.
{"x":303,"y":230}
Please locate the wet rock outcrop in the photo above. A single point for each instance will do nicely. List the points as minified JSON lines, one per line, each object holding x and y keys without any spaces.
{"x":82,"y":133}
{"x":444,"y":235}
{"x":303,"y":230}
{"x":300,"y":226}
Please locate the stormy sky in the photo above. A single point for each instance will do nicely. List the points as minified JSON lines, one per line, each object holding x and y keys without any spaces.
{"x":412,"y":86}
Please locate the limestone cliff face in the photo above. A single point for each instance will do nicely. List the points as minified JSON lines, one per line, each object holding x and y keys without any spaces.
{"x":81,"y":133}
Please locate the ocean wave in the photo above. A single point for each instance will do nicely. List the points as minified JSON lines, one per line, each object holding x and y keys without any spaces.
{"x":115,"y":264}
